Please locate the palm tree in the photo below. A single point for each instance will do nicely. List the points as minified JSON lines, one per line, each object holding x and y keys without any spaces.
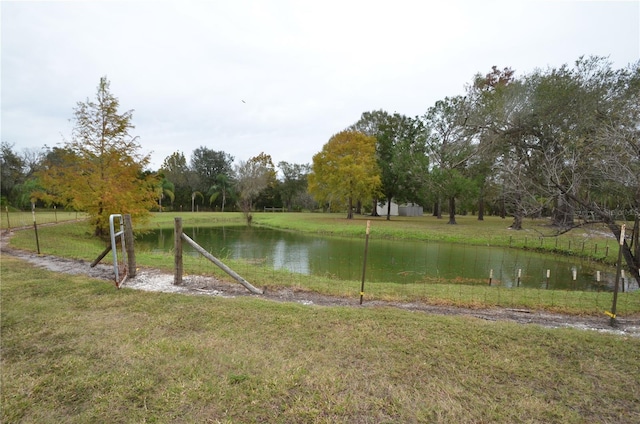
{"x":193,"y":199}
{"x":165,"y":188}
{"x":222,"y":187}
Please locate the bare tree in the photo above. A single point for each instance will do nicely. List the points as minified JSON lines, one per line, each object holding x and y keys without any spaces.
{"x":252,"y":177}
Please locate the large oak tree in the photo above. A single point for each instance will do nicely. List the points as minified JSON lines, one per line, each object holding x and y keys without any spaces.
{"x":400,"y":154}
{"x":346,"y":170}
{"x":451,"y":145}
{"x":571,"y":136}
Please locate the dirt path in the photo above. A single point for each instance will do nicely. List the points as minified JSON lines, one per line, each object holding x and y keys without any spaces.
{"x":154,"y":280}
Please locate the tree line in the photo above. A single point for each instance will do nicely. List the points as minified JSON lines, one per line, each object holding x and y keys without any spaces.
{"x":562,"y":142}
{"x":558,"y":142}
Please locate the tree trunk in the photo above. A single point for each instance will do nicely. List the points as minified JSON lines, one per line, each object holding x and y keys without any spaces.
{"x":452,"y":211}
{"x":98,"y":232}
{"x":359,"y":207}
{"x":481,"y":207}
{"x":635,"y":241}
{"x":388,"y":208}
{"x":374,"y":210}
{"x":350,"y":212}
{"x":563,"y":213}
{"x":437,"y":209}
{"x":517,"y":223}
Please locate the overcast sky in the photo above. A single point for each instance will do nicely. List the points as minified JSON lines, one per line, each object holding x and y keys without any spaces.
{"x":279,"y":77}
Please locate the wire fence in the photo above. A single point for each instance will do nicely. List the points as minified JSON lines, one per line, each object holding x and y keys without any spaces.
{"x":20,"y":219}
{"x":409,"y":271}
{"x":516,"y":275}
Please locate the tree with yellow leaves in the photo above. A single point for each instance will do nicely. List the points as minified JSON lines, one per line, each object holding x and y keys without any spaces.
{"x":100,"y":171}
{"x":345,"y":171}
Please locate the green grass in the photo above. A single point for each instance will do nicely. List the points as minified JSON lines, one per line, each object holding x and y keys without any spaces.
{"x":18,"y":219}
{"x":76,"y":350}
{"x":74,"y":240}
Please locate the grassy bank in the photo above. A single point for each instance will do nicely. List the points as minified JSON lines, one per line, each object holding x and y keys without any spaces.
{"x":76,"y":350}
{"x":75,"y":241}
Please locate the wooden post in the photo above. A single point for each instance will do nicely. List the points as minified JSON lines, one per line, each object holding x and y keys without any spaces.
{"x":519,"y":275}
{"x":612,"y":321}
{"x":490,"y":275}
{"x":364,"y":265}
{"x":548,"y":275}
{"x":6,"y":208}
{"x":128,"y":243}
{"x":177,"y":234}
{"x":35,"y":226}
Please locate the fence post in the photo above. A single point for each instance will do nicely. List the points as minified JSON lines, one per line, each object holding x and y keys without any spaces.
{"x":364,"y":265}
{"x":177,"y":234}
{"x":128,"y":243}
{"x":35,"y":226}
{"x":612,"y":315}
{"x":548,"y":276}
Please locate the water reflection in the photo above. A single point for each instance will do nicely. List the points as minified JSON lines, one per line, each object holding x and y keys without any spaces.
{"x":388,"y":260}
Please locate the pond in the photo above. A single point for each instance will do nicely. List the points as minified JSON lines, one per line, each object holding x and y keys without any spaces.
{"x":389,"y":260}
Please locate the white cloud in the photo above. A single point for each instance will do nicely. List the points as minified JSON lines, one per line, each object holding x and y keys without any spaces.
{"x":305,"y":70}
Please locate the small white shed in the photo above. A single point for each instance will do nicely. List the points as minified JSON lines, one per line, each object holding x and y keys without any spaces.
{"x":382,"y":210}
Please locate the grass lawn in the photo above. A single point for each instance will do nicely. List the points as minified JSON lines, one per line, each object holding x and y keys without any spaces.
{"x":76,"y":350}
